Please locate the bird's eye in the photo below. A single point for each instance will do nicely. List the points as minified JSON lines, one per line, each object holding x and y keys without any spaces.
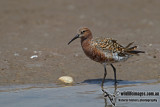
{"x":82,"y":31}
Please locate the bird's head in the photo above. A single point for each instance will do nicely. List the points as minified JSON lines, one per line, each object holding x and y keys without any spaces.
{"x":83,"y":33}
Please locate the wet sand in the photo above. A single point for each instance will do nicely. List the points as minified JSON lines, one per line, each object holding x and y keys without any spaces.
{"x":34,"y":37}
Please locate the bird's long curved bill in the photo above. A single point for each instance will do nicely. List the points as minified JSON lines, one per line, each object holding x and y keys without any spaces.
{"x":77,"y":36}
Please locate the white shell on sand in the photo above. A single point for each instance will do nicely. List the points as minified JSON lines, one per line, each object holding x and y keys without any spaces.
{"x":66,"y":79}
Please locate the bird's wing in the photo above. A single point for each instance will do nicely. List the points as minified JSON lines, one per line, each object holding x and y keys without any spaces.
{"x":108,"y":45}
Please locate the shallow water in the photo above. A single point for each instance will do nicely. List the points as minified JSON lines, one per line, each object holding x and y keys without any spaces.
{"x":84,"y":95}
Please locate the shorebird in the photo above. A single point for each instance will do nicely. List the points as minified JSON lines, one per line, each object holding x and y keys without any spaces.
{"x":104,"y":50}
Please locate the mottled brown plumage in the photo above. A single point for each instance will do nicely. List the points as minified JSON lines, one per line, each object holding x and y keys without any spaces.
{"x":104,"y":50}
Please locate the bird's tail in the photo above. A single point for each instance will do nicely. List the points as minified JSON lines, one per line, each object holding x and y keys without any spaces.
{"x":131,"y":50}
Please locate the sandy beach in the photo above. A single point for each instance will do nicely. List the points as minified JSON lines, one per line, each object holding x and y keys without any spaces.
{"x":34,"y":37}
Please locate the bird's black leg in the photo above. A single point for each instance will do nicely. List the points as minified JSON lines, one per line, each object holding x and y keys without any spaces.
{"x":105,"y":73}
{"x":106,"y":94}
{"x":114,"y":69}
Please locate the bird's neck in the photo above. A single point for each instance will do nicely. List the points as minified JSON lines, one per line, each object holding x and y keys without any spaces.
{"x":85,"y":41}
{"x":86,"y":45}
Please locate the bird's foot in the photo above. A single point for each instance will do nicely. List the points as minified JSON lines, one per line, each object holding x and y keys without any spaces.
{"x":110,"y":96}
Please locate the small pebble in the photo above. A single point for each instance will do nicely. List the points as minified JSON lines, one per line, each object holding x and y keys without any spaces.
{"x":35,"y":52}
{"x":25,"y":49}
{"x":76,"y":55}
{"x":150,"y":44}
{"x":16,"y":54}
{"x":154,"y":56}
{"x":34,"y":56}
{"x":66,"y":79}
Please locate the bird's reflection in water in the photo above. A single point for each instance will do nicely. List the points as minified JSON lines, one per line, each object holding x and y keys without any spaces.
{"x":111,"y":97}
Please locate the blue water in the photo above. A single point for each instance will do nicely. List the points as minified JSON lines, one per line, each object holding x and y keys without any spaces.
{"x":82,"y":95}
